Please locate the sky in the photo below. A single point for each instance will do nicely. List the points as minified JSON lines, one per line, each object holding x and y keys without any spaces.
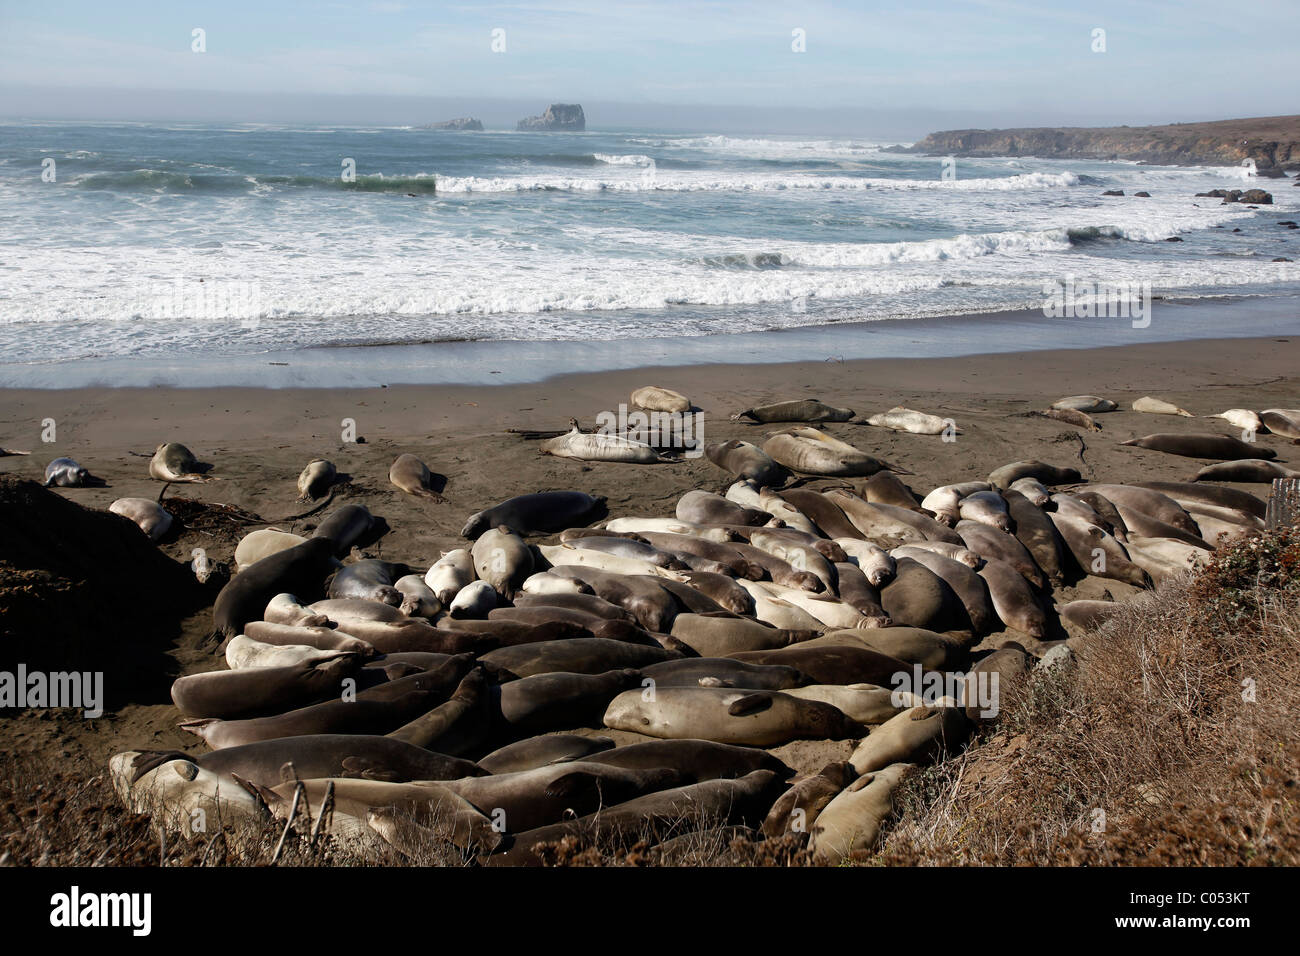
{"x":916,"y":65}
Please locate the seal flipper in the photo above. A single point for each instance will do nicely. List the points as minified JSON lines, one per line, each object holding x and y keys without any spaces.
{"x":750,"y":704}
{"x":572,"y":784}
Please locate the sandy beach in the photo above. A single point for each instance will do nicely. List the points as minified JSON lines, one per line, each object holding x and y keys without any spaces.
{"x":258,"y":440}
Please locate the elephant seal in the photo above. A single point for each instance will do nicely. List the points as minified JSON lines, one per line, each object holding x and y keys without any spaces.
{"x":1143,"y":525}
{"x":269,"y":763}
{"x":1284,"y":422}
{"x":475,"y":600}
{"x":1012,"y":599}
{"x":412,"y":476}
{"x":458,"y":725}
{"x":656,"y":399}
{"x":704,"y":507}
{"x":260,"y":691}
{"x":916,"y":735}
{"x":367,"y":580}
{"x":944,"y":502}
{"x":316,"y":479}
{"x":542,"y":751}
{"x":640,"y":595}
{"x":1032,"y":489}
{"x":1242,"y":418}
{"x":627,"y":548}
{"x":811,"y":452}
{"x":1071,"y":417}
{"x":374,"y":711}
{"x":449,"y":574}
{"x":866,"y":703}
{"x":826,"y":516}
{"x":1085,"y":403}
{"x":962,"y":579}
{"x":242,"y":652}
{"x":986,"y":507}
{"x":721,"y":558}
{"x":1182,"y":492}
{"x":746,"y":460}
{"x":836,"y":664}
{"x":861,"y":595}
{"x":1032,"y":468}
{"x":66,"y":473}
{"x":177,"y":792}
{"x":172,"y":461}
{"x":1097,"y":552}
{"x":345,"y":527}
{"x":1149,"y":502}
{"x":722,"y":589}
{"x":902,"y":419}
{"x":1010,"y":664}
{"x":851,"y":822}
{"x":263,"y":543}
{"x":711,"y":636}
{"x":543,"y":512}
{"x":799,"y":410}
{"x":1245,"y":470}
{"x":586,"y":655}
{"x":876,"y":564}
{"x":322,"y":638}
{"x":502,"y":560}
{"x":152,"y":518}
{"x":528,"y":799}
{"x":1035,"y":531}
{"x":798,"y":807}
{"x":1156,"y":406}
{"x":1201,"y":445}
{"x":285,"y":608}
{"x":602,"y":446}
{"x":703,"y":759}
{"x":1088,"y":615}
{"x":545,"y":702}
{"x":911,"y":645}
{"x":887,"y":521}
{"x":587,"y":603}
{"x":989,"y":543}
{"x":886,"y":488}
{"x":418,"y":599}
{"x":917,"y":597}
{"x":722,"y":672}
{"x":299,"y":570}
{"x":729,"y":716}
{"x":649,"y":819}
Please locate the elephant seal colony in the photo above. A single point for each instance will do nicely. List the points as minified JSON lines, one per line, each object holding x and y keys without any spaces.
{"x":576,"y":668}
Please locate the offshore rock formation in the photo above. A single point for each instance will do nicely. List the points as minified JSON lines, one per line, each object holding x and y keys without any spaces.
{"x":1272,"y":142}
{"x":464,"y":123}
{"x":566,"y":117}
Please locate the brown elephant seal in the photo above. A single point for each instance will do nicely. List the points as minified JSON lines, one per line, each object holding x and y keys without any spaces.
{"x":836,"y":664}
{"x":827,"y":516}
{"x":1201,"y":445}
{"x":916,"y":735}
{"x":285,"y":608}
{"x":1284,"y":422}
{"x":722,"y":672}
{"x":1088,"y":615}
{"x":964,"y":582}
{"x":911,"y":645}
{"x":526,"y":799}
{"x":861,"y":595}
{"x":1218,"y":496}
{"x":986,"y":507}
{"x":346,"y":527}
{"x":640,"y":595}
{"x":878,"y":522}
{"x":797,"y":809}
{"x":1033,"y":529}
{"x":459,"y":725}
{"x":1010,"y":664}
{"x":917,"y":597}
{"x":746,"y":461}
{"x":367,"y":580}
{"x":1245,"y":470}
{"x":720,"y":558}
{"x":726,"y":715}
{"x":502,"y":560}
{"x":543,"y":512}
{"x":989,"y":543}
{"x":886,"y":488}
{"x":545,"y":702}
{"x":852,"y":821}
{"x":703,"y":759}
{"x":533,"y":752}
{"x":374,"y":711}
{"x":798,"y":410}
{"x":587,"y":655}
{"x":704,"y":507}
{"x":67,"y":473}
{"x":656,"y":399}
{"x":587,"y":603}
{"x":320,"y":637}
{"x":299,"y":570}
{"x":263,"y":543}
{"x":172,"y":461}
{"x":650,"y":819}
{"x":1096,"y":552}
{"x":1147,"y":501}
{"x":722,"y":589}
{"x":1032,"y":468}
{"x":411,"y":475}
{"x":811,"y":452}
{"x":316,"y":479}
{"x":269,"y":763}
{"x":151,"y":518}
{"x":1071,"y":417}
{"x":711,"y":636}
{"x":1012,"y":599}
{"x":260,"y":691}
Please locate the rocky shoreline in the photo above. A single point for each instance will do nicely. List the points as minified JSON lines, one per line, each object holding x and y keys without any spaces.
{"x":1272,"y":143}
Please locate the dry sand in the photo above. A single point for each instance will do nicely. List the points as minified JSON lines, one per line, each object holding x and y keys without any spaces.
{"x":259,"y":440}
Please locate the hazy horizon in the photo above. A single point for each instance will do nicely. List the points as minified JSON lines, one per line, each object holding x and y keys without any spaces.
{"x":898,"y":71}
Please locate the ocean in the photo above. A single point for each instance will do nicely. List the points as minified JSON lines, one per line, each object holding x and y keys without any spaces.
{"x":134,"y":252}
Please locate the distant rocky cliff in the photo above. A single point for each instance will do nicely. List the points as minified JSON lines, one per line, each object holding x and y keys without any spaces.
{"x":465,"y":123}
{"x":558,"y":116}
{"x":1272,"y":142}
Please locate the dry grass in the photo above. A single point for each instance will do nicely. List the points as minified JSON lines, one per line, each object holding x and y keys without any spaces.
{"x":1153,"y":727}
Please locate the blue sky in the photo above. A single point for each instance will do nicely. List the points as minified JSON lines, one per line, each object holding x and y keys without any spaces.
{"x":1193,"y":60}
